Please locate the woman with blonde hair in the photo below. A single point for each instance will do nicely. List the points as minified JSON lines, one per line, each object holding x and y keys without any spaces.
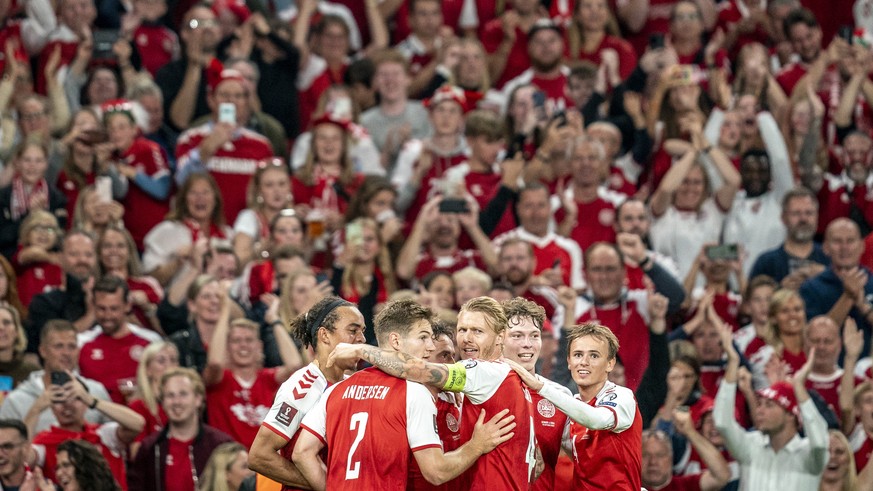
{"x":13,"y":343}
{"x":93,"y":215}
{"x":226,"y":469}
{"x":782,"y":346}
{"x":9,"y":288}
{"x":363,"y":274}
{"x":268,"y":193}
{"x":840,"y":473}
{"x":156,"y":359}
{"x":593,"y":33}
{"x":117,"y":256}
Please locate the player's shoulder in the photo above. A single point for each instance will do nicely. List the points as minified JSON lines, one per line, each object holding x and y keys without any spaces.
{"x":613,"y":395}
{"x":306,"y":384}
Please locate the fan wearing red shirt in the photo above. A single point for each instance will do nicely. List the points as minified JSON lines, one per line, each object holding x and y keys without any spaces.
{"x":488,"y":383}
{"x":174,"y":457}
{"x":239,"y":392}
{"x":862,"y":437}
{"x":110,"y":351}
{"x":516,"y":264}
{"x":227,"y":150}
{"x":606,"y":428}
{"x":144,"y":164}
{"x":523,"y":345}
{"x":433,"y":244}
{"x":589,"y":213}
{"x":68,"y":404}
{"x":156,"y":44}
{"x":804,"y":33}
{"x":483,"y":179}
{"x":371,"y":421}
{"x":506,"y":39}
{"x":589,"y":37}
{"x":658,"y":460}
{"x":558,"y":258}
{"x":545,"y":48}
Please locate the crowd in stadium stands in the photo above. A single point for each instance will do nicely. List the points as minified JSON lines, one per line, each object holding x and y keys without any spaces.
{"x":609,"y":244}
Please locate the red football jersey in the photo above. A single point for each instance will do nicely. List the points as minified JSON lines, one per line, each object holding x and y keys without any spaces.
{"x":550,"y":425}
{"x":178,"y":465}
{"x":156,"y":44}
{"x":551,"y":251}
{"x":143,"y":211}
{"x":518,"y":59}
{"x":369,"y":423}
{"x":459,"y":260}
{"x":232,"y":165}
{"x":107,"y":359}
{"x":448,"y":425}
{"x":492,"y":386}
{"x":238,"y":407}
{"x":610,"y":459}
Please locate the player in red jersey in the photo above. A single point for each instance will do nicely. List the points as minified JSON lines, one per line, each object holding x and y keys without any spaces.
{"x":329,"y":322}
{"x":367,"y":420}
{"x":606,"y":432}
{"x":488,"y":385}
{"x":523,"y":345}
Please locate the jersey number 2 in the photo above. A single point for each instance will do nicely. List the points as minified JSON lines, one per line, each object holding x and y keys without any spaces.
{"x":359,"y":424}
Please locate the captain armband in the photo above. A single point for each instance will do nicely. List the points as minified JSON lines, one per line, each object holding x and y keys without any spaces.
{"x":456,"y":379}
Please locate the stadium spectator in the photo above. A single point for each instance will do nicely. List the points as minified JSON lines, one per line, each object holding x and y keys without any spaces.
{"x":186,"y":438}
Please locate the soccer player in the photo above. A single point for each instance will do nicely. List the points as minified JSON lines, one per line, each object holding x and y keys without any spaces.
{"x":328,"y":323}
{"x":367,"y":420}
{"x":523,"y":345}
{"x":488,"y":385}
{"x":606,"y":432}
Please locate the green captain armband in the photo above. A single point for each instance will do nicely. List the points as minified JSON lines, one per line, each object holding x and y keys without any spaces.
{"x":456,"y":379}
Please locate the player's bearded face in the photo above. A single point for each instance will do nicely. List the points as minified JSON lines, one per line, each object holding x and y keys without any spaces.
{"x":476,"y":338}
{"x":588,"y":361}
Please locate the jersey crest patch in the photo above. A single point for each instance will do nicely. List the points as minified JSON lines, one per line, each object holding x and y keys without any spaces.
{"x":452,"y":422}
{"x":546,"y":408}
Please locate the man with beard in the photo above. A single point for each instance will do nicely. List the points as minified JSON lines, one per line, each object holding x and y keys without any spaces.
{"x":516,"y":263}
{"x":558,"y":259}
{"x":440,"y":232}
{"x":766,"y":177}
{"x":589,"y":208}
{"x":73,"y":302}
{"x":545,"y":46}
{"x":846,"y":194}
{"x":799,"y":257}
{"x":804,"y":33}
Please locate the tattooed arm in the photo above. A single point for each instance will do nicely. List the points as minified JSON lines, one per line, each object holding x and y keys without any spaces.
{"x":393,"y":363}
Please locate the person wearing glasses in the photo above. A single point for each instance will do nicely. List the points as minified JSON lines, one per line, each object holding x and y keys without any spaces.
{"x":183,"y":81}
{"x":15,"y":452}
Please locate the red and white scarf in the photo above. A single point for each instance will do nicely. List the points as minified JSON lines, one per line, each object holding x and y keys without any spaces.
{"x":196,"y":229}
{"x":21,"y":196}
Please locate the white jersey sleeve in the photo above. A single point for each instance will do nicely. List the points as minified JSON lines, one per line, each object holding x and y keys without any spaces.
{"x":295,"y":398}
{"x":483,"y":379}
{"x":421,"y":413}
{"x":621,"y":401}
{"x":315,"y":420}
